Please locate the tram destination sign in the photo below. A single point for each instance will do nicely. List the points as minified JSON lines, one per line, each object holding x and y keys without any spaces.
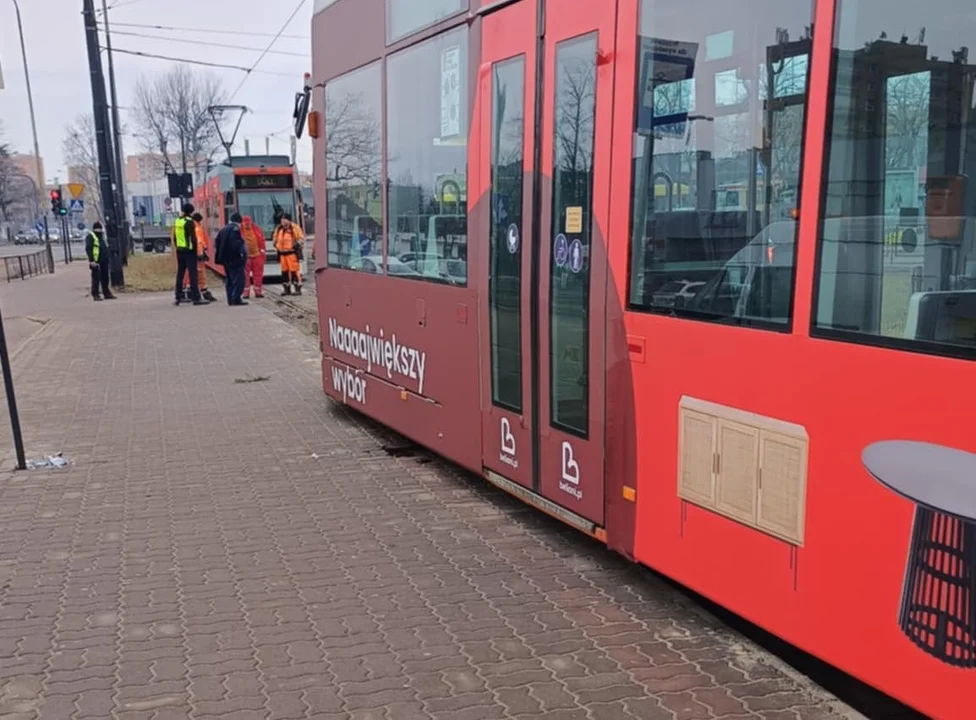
{"x":284,"y":181}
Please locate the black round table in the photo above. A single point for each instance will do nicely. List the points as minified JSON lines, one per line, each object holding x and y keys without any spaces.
{"x":938,"y":603}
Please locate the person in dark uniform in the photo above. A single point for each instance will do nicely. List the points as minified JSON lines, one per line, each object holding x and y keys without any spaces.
{"x":231,"y":252}
{"x":185,"y":244}
{"x":96,"y":247}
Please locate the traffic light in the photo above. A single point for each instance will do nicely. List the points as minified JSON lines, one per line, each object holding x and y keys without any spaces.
{"x":57,"y":208}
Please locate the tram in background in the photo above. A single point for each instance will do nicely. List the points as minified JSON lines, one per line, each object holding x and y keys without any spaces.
{"x":658,"y":298}
{"x":261,"y":186}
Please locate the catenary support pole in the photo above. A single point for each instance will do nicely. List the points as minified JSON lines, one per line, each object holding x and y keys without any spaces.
{"x":102,"y":141}
{"x":117,"y":144}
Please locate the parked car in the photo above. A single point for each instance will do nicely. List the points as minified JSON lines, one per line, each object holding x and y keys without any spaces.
{"x":374,"y":264}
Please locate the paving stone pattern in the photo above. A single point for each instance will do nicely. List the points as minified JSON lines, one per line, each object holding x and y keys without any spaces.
{"x":248,"y":550}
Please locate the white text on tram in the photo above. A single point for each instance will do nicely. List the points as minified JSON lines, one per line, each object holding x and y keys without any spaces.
{"x":376,"y":350}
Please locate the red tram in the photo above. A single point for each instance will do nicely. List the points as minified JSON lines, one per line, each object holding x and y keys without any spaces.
{"x":697,"y":278}
{"x":255,"y":185}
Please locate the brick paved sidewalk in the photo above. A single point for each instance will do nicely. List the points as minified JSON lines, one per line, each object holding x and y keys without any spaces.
{"x":247,"y":550}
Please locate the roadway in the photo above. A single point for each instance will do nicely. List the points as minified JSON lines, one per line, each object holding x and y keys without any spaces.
{"x":57,"y":247}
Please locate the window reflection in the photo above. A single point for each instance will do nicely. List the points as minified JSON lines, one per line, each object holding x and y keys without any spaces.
{"x":353,"y":161}
{"x":505,"y":281}
{"x":898,"y":246}
{"x":721,"y":102}
{"x":572,"y":222}
{"x":427,"y":128}
{"x":404,"y":17}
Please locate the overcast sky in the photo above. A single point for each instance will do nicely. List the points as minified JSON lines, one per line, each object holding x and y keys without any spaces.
{"x":55,"y":35}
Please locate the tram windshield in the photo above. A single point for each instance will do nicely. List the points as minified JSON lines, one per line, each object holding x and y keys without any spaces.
{"x":261,"y":205}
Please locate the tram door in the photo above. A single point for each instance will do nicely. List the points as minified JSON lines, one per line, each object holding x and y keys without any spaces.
{"x":547,"y":181}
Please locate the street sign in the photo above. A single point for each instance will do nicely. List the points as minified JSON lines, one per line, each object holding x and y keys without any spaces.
{"x":76,"y":206}
{"x":39,"y":227}
{"x":81,"y":226}
{"x":76,"y":190}
{"x":667,"y":92}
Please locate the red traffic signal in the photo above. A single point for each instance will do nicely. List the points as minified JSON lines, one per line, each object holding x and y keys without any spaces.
{"x":56,"y":206}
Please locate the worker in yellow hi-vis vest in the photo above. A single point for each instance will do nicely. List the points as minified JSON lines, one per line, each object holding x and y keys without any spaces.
{"x":203,"y":249}
{"x":185,"y":243}
{"x":97,"y":250}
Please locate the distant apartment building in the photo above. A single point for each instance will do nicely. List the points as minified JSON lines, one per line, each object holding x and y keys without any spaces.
{"x":27,"y":164}
{"x":144,"y":167}
{"x":150,"y":167}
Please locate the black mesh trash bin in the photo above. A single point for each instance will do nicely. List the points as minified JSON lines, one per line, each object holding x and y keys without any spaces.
{"x":938,"y":603}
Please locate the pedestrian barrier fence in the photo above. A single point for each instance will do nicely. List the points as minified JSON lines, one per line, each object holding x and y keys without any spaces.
{"x":27,"y":265}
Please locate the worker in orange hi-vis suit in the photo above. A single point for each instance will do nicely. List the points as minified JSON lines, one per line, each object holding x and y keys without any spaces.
{"x":203,"y":248}
{"x":288,"y":242}
{"x":257,"y":251}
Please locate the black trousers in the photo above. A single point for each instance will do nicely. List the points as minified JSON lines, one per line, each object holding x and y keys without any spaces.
{"x":186,"y":262}
{"x":234,"y":283}
{"x":99,"y":280}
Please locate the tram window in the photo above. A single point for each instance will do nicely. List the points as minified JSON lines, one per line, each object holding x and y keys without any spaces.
{"x":506,"y":232}
{"x":572,"y":221}
{"x":718,"y":140}
{"x":353,"y":162}
{"x":897,"y":255}
{"x":404,"y":17}
{"x":427,"y":129}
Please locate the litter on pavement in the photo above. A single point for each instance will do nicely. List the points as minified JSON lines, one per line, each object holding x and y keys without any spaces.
{"x":51,"y":461}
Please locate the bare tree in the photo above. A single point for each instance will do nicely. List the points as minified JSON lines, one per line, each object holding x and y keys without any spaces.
{"x":352,"y":141}
{"x":173,"y":121}
{"x":15,"y":188}
{"x":80,"y":153}
{"x":6,"y":172}
{"x":906,"y":121}
{"x":575,"y":107}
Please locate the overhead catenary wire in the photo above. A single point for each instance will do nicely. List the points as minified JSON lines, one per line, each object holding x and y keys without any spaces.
{"x":207,"y":43}
{"x":118,"y":3}
{"x":204,"y":63}
{"x":286,"y":129}
{"x":257,"y":62}
{"x":208,"y":31}
{"x":123,"y":3}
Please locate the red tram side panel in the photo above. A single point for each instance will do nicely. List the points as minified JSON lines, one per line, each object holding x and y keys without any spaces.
{"x":677,"y":265}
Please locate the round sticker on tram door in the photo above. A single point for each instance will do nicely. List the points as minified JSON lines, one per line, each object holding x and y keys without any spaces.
{"x":513,"y":238}
{"x":560,"y":250}
{"x":576,"y":256}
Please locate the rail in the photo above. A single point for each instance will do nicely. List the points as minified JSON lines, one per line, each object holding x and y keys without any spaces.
{"x":27,"y":265}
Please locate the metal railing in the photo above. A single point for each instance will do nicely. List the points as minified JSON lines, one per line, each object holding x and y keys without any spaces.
{"x":27,"y":265}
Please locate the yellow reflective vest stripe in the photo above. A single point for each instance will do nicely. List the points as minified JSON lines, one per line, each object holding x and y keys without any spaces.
{"x":96,"y":247}
{"x":179,"y":235}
